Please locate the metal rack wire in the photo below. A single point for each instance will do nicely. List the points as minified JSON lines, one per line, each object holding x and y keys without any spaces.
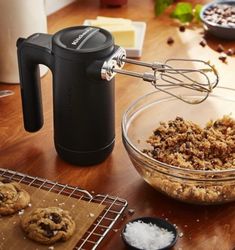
{"x":114,"y":206}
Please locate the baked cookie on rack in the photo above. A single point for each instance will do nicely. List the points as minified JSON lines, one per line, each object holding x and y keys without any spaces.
{"x":48,"y":225}
{"x":12,"y":197}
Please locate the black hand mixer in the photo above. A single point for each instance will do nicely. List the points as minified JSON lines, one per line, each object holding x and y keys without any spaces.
{"x":84,"y":61}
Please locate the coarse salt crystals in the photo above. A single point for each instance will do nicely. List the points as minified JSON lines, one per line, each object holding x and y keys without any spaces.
{"x":147,"y":235}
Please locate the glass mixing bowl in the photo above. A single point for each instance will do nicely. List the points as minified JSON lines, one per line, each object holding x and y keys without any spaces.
{"x":192,"y":186}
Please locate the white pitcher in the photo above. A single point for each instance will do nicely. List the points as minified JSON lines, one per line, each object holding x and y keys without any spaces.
{"x":18,"y":18}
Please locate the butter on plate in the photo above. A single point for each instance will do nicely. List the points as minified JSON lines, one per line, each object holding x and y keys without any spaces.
{"x":122,"y":29}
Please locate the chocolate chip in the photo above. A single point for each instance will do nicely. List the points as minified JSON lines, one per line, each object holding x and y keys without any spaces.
{"x":64,"y":227}
{"x":230,"y":52}
{"x":178,"y":118}
{"x":223,"y":58}
{"x":187,"y":144}
{"x":55,"y":218}
{"x":216,"y":124}
{"x":203,"y":43}
{"x":220,"y":48}
{"x":157,"y":132}
{"x":44,"y":226}
{"x":48,"y":232}
{"x":188,"y":133}
{"x":170,"y":40}
{"x":2,"y":197}
{"x":131,"y":211}
{"x":205,"y":134}
{"x":182,"y":28}
{"x":155,"y":152}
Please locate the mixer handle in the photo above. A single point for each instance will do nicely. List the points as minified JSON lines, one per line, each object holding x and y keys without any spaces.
{"x":33,"y":51}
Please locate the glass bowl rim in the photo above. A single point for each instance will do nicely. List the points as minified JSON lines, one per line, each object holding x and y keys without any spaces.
{"x":154,"y":161}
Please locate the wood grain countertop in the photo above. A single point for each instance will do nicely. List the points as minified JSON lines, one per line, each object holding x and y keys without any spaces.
{"x":202,"y":227}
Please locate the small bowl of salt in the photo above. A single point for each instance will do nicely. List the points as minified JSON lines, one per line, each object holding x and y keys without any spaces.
{"x":149,"y":233}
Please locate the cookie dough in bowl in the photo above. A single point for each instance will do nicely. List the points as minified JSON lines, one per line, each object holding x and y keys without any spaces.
{"x":185,"y":151}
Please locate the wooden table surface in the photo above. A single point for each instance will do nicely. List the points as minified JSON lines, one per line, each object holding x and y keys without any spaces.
{"x":202,"y":227}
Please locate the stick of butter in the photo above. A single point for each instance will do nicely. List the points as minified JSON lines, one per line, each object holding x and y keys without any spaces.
{"x":122,"y":29}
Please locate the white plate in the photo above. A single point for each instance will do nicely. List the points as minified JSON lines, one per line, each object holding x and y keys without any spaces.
{"x":140,"y":28}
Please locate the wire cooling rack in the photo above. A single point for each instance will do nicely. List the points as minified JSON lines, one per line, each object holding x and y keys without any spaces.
{"x":114,"y":206}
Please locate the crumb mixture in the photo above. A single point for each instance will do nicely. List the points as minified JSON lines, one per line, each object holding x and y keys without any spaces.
{"x":185,"y":144}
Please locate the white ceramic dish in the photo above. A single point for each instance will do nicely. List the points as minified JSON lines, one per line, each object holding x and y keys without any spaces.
{"x":140,"y":34}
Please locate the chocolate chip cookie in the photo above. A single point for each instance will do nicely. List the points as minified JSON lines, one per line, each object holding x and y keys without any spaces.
{"x":48,"y":225}
{"x":12,"y":197}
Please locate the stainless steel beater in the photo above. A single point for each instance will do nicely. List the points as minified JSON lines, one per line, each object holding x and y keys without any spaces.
{"x":203,"y":78}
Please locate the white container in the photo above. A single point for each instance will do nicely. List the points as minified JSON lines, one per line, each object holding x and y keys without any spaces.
{"x":18,"y":18}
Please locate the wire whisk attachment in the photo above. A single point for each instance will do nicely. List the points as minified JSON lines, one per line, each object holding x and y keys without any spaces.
{"x":196,"y":75}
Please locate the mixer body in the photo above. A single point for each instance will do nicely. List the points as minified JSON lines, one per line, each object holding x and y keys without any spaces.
{"x":83,"y":105}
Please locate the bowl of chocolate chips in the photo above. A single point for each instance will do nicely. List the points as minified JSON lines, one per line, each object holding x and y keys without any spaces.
{"x":218,"y":18}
